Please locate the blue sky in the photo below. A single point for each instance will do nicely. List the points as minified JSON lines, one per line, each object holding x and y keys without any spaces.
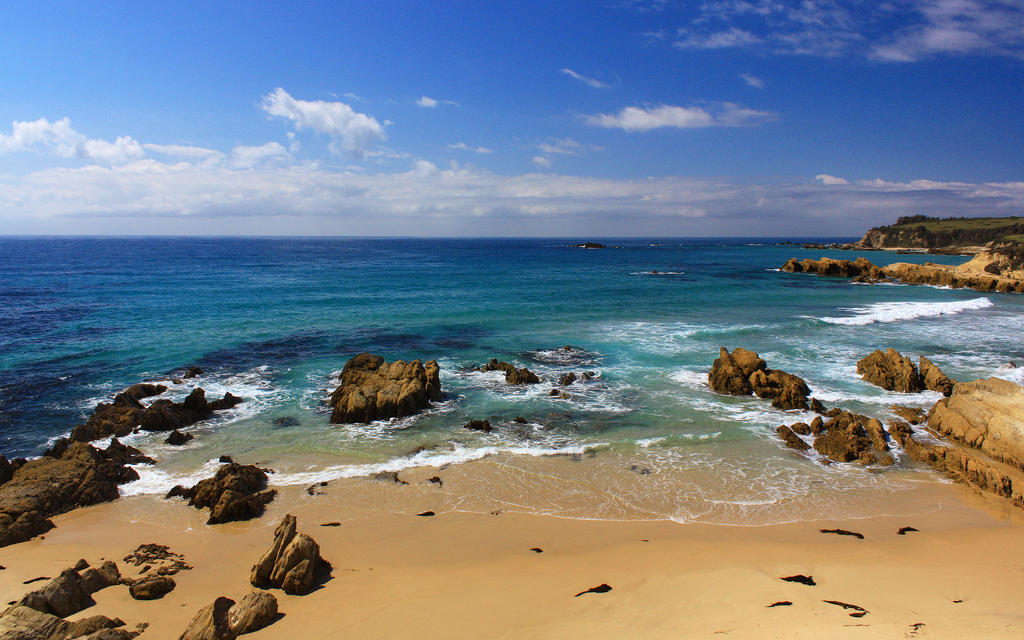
{"x":724,"y":117}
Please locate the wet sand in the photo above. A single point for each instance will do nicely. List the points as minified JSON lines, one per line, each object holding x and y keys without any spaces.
{"x":473,"y":575}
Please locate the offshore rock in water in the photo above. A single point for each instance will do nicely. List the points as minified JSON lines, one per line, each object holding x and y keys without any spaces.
{"x":80,"y":475}
{"x":165,"y":415}
{"x":236,"y":492}
{"x":512,"y":374}
{"x":743,"y":372}
{"x":861,"y":268}
{"x":893,"y":371}
{"x":372,"y":389}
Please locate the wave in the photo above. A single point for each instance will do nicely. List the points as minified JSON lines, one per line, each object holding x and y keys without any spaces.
{"x":896,"y":311}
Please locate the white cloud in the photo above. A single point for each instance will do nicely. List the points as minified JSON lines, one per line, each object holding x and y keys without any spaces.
{"x":462,"y":146}
{"x":61,"y":139}
{"x":147,"y":196}
{"x":541,"y":161}
{"x":662,"y":116}
{"x":268,"y":154}
{"x":752,"y":81}
{"x":590,"y":82}
{"x":350,"y":131}
{"x":429,"y":103}
{"x":895,"y":31}
{"x":824,"y":178}
{"x":184,"y":151}
{"x":563,"y":146}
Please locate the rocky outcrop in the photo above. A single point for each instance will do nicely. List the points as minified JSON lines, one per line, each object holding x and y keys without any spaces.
{"x":791,"y":439}
{"x":894,"y":371}
{"x":845,"y":437}
{"x":211,"y":622}
{"x":166,"y":415}
{"x":236,"y":492}
{"x":177,"y":438}
{"x":860,"y":268}
{"x":81,"y":475}
{"x":372,"y":389}
{"x":24,"y":623}
{"x":982,"y":273}
{"x":743,"y":372}
{"x":72,"y":590}
{"x":981,"y":426}
{"x":890,"y":370}
{"x":292,"y":563}
{"x":512,"y":374}
{"x":256,"y":610}
{"x":126,"y":412}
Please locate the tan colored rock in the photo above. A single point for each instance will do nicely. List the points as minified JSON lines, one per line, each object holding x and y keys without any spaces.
{"x":293,"y":562}
{"x":24,"y":623}
{"x":792,"y":440}
{"x":975,"y":274}
{"x":913,"y":415}
{"x":859,"y":268}
{"x":372,"y":389}
{"x":743,"y":372}
{"x":987,"y":415}
{"x":235,"y":492}
{"x":890,"y":370}
{"x":211,"y":622}
{"x":256,"y":610}
{"x":933,"y":378}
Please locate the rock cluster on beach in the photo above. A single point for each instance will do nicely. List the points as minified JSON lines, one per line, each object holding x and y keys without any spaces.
{"x":844,"y":437}
{"x":292,"y":563}
{"x":372,"y":389}
{"x":984,"y":272}
{"x":71,"y":475}
{"x":894,"y":371}
{"x":743,"y":372}
{"x":126,"y":412}
{"x":513,"y":375}
{"x":236,"y":492}
{"x":981,"y":429}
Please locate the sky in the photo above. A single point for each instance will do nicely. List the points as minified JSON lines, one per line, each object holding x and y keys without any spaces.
{"x":602,"y":119}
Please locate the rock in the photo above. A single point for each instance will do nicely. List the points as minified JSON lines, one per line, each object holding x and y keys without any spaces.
{"x":151,"y":587}
{"x":512,"y":374}
{"x":567,"y":379}
{"x":193,"y":372}
{"x":589,"y":245}
{"x":800,"y":428}
{"x":987,"y":415}
{"x":211,"y":623}
{"x":292,"y":563}
{"x":890,"y":370}
{"x":81,"y":476}
{"x":256,"y":610}
{"x":372,"y":389}
{"x":96,"y":578}
{"x":120,"y":417}
{"x":24,"y":623}
{"x":876,"y":432}
{"x":479,"y":425}
{"x":178,"y":438}
{"x":860,"y":268}
{"x":845,"y":441}
{"x":817,"y":426}
{"x":386,"y":476}
{"x":743,"y":372}
{"x":791,"y":439}
{"x":166,"y":415}
{"x":817,"y":407}
{"x":236,"y":492}
{"x":933,"y":378}
{"x":912,"y":415}
{"x":977,"y":273}
{"x":286,"y":421}
{"x":62,"y":596}
{"x":558,"y":393}
{"x":159,"y":556}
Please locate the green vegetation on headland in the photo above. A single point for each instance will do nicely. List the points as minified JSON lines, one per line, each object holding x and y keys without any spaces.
{"x":947,"y":235}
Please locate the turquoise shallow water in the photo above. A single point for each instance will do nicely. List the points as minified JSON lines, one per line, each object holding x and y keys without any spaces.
{"x":274,"y":320}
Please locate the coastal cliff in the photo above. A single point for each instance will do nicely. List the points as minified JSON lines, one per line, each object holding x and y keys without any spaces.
{"x":945,"y":235}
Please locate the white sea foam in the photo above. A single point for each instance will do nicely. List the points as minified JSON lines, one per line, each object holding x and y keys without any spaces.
{"x":896,"y":311}
{"x":153,"y":480}
{"x":646,"y":442}
{"x":691,"y":378}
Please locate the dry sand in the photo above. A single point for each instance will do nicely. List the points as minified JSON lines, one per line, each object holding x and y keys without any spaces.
{"x":473,"y":575}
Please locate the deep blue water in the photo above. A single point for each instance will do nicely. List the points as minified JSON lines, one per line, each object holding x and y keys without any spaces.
{"x":274,"y":318}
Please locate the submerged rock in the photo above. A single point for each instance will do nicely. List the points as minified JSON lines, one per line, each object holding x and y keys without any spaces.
{"x":81,"y":475}
{"x":236,"y":492}
{"x":372,"y":389}
{"x":512,"y":374}
{"x":292,"y":563}
{"x":743,"y":372}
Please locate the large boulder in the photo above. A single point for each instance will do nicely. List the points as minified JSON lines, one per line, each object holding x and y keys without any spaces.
{"x":235,"y":492}
{"x":372,"y":389}
{"x":82,"y":475}
{"x":512,"y":374}
{"x":987,"y":415}
{"x":24,"y":623}
{"x":292,"y":563}
{"x":933,"y":378}
{"x":211,"y":622}
{"x":256,"y":610}
{"x":890,"y":370}
{"x":743,"y":372}
{"x":166,"y":415}
{"x":151,"y":587}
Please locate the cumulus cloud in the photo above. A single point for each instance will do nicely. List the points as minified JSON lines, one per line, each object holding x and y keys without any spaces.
{"x":590,"y":82}
{"x":349,"y":131}
{"x":669,"y":116}
{"x":562,"y":146}
{"x":59,"y":138}
{"x":900,"y":31}
{"x":752,"y":81}
{"x":824,"y":178}
{"x":427,"y":200}
{"x":462,"y":146}
{"x":541,"y":161}
{"x":269,"y":154}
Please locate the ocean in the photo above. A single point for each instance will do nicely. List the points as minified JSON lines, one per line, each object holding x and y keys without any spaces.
{"x":275,"y":319}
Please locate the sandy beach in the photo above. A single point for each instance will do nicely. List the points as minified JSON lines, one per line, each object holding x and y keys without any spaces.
{"x":476,"y":575}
